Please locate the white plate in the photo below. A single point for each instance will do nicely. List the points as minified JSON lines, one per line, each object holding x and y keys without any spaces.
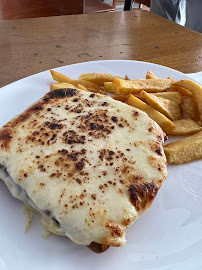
{"x":168,"y":236}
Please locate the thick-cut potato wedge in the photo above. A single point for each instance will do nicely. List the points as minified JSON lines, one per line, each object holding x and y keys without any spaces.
{"x":121,"y":98}
{"x":189,"y":107}
{"x":185,"y":127}
{"x":165,"y":106}
{"x":173,"y":96}
{"x":109,"y":87}
{"x":82,"y":87}
{"x":158,"y":117}
{"x":54,"y":86}
{"x":123,"y":87}
{"x":185,"y":150}
{"x":98,"y":78}
{"x":62,"y":78}
{"x":196,"y":90}
{"x":150,"y":75}
{"x":181,"y":90}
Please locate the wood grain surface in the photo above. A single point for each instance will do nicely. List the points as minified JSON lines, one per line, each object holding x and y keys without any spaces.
{"x":29,"y":46}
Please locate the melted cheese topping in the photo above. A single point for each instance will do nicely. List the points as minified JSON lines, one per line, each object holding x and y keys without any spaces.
{"x":90,"y":164}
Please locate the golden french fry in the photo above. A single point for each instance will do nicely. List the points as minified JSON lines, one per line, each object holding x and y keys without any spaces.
{"x":62,"y":78}
{"x":121,"y":98}
{"x":88,"y":85}
{"x":185,"y":150}
{"x":181,"y":90}
{"x":196,"y":90}
{"x":173,"y":96}
{"x":97,"y":78}
{"x":136,"y":86}
{"x":140,"y":96}
{"x":150,"y":75}
{"x":185,"y":127}
{"x":189,"y":107}
{"x":158,"y":117}
{"x":82,"y":87}
{"x":164,"y":106}
{"x":58,"y":77}
{"x":54,"y":86}
{"x":109,"y":87}
{"x":170,"y":79}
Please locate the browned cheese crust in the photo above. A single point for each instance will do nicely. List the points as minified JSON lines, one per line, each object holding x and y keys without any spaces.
{"x":91,"y":183}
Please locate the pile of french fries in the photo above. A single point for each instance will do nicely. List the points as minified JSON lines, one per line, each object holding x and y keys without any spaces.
{"x":164,"y":100}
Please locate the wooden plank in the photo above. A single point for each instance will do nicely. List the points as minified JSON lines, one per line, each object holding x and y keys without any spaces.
{"x":32,"y":45}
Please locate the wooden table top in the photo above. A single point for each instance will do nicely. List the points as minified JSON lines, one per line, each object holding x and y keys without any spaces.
{"x":30,"y":46}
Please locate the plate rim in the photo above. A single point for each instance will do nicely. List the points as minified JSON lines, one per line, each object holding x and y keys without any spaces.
{"x":96,"y":61}
{"x":83,"y":63}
